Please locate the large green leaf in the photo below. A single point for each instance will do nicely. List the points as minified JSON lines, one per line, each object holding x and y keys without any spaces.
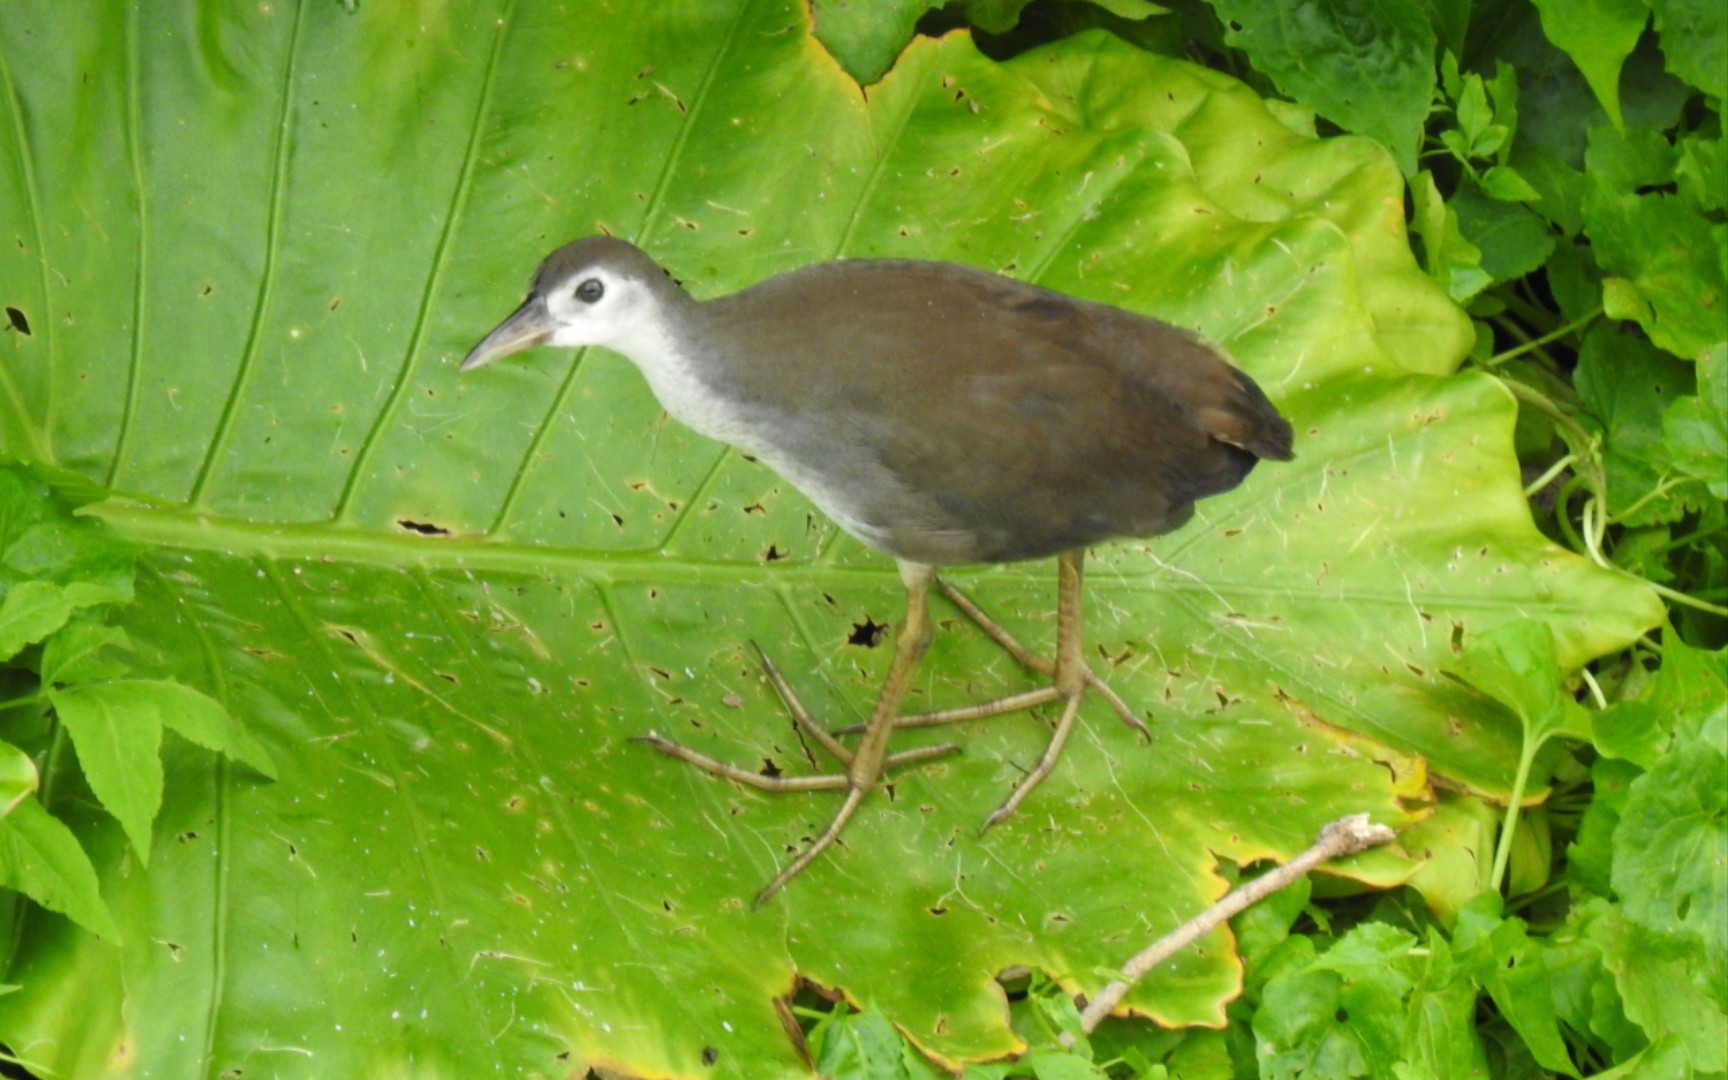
{"x":251,"y":244}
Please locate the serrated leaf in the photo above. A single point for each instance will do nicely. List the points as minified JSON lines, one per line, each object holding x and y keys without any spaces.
{"x":1500,"y":955}
{"x":1598,"y":35}
{"x":1629,"y":386}
{"x":1560,"y":190}
{"x":1590,"y":856}
{"x":117,"y":732}
{"x":1672,"y":257}
{"x":1667,"y":991}
{"x":1476,"y":118}
{"x":1515,"y":664}
{"x":40,"y":858}
{"x":1672,"y":844}
{"x":1511,"y":240}
{"x":1695,"y":429}
{"x":1450,"y":258}
{"x":1368,"y":67}
{"x":1504,"y":182}
{"x":31,"y":611}
{"x":1702,"y":172}
{"x":85,"y":651}
{"x":1340,"y":1014}
{"x":200,"y":718}
{"x":1694,"y":35}
{"x":42,"y":544}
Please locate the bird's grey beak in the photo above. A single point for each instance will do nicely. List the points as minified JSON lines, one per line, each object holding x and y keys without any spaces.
{"x":528,"y":326}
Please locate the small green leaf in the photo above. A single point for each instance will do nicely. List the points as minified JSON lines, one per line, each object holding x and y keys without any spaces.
{"x":860,"y":1046}
{"x":1671,"y":256}
{"x":1629,"y":385}
{"x":1447,"y":255}
{"x":867,"y":38}
{"x":1460,"y":835}
{"x":1560,"y":188}
{"x":1341,"y":1013}
{"x":40,"y":858}
{"x":1368,"y":67}
{"x":1694,"y":35}
{"x":1598,"y":35}
{"x":1475,"y":117}
{"x":1695,"y":429}
{"x":1132,"y":10}
{"x":117,"y":732}
{"x":1575,"y":282}
{"x":84,"y":652}
{"x":41,"y":540}
{"x":1590,"y":856}
{"x":1505,"y":183}
{"x":1048,"y":1064}
{"x":1667,"y":990}
{"x":1672,"y":843}
{"x":1515,"y":664}
{"x":1630,"y":731}
{"x":1451,"y":81}
{"x":1440,"y":1037}
{"x":18,"y":780}
{"x":1702,"y":172}
{"x":200,"y":718}
{"x":1512,"y":240}
{"x":1503,"y":92}
{"x":1500,"y":955}
{"x":31,"y":611}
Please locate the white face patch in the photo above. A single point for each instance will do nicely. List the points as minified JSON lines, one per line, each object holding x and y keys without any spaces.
{"x":599,"y":306}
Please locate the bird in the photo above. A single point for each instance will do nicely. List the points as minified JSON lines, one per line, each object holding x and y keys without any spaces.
{"x":940,"y":414}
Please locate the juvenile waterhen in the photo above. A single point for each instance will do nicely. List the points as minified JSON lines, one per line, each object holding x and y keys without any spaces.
{"x":941,"y":414}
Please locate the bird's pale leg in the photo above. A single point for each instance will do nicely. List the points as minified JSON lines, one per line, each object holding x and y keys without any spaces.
{"x":865,"y":765}
{"x":872,"y":757}
{"x":1070,"y":678}
{"x":1027,"y":659}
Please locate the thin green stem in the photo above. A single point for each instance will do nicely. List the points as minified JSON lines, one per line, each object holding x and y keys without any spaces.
{"x":1503,"y":848}
{"x":1545,"y":339}
{"x":1594,"y":525}
{"x":1549,"y":477}
{"x":1654,"y":493}
{"x":1683,"y":598}
{"x":1562,"y":512}
{"x":20,"y":702}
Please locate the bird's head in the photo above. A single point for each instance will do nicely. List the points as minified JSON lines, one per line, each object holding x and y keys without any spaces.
{"x":596,"y":291}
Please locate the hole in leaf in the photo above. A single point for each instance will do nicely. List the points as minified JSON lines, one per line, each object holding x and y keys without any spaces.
{"x":424,"y":528}
{"x":15,"y":319}
{"x":868,"y":633}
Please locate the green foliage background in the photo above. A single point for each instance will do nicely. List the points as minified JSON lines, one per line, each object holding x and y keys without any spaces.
{"x":420,"y":617}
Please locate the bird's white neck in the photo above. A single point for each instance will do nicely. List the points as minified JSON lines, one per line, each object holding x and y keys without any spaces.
{"x":675,"y":375}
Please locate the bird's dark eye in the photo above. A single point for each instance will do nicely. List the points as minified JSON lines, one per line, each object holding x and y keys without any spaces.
{"x":590,"y":291}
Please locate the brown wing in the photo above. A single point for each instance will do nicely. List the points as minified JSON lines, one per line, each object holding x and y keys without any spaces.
{"x":976,"y":419}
